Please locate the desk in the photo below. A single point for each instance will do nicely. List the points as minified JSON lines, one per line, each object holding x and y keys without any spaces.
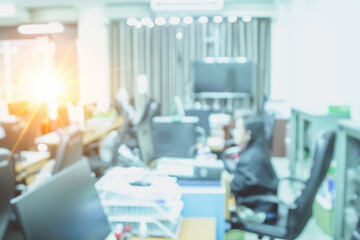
{"x":191,"y":229}
{"x":90,"y":135}
{"x":205,"y":202}
{"x":32,"y":162}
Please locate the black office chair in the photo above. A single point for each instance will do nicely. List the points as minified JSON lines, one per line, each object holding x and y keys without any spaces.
{"x":292,"y":218}
{"x":269,"y":120}
{"x":70,"y":148}
{"x":7,"y":186}
{"x":356,"y":233}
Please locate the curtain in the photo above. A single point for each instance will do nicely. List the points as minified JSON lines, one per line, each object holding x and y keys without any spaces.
{"x":165,"y":54}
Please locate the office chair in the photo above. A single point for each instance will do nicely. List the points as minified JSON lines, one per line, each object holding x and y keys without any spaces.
{"x":70,"y":148}
{"x":269,"y":120}
{"x":7,"y":186}
{"x":292,"y":218}
{"x":356,"y":233}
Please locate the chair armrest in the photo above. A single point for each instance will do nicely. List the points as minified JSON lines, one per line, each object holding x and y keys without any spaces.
{"x":266,"y":198}
{"x":292,"y":179}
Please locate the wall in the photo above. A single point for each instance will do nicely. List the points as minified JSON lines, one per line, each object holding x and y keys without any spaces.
{"x":317,"y":64}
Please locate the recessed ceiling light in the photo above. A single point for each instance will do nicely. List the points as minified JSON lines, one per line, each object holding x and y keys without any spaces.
{"x":203,"y":19}
{"x":179,"y":35}
{"x":131,"y":21}
{"x":247,"y":18}
{"x":145,"y":21}
{"x":174,"y":20}
{"x":232,"y":19}
{"x":188,"y":20}
{"x":160,"y":21}
{"x":217,"y":19}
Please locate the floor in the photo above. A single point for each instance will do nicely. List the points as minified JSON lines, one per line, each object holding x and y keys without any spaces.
{"x":312,"y":230}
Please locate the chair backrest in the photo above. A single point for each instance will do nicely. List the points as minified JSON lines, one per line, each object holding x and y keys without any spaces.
{"x":70,"y":148}
{"x":323,"y":155}
{"x":144,"y":133}
{"x":269,"y":121}
{"x":7,"y":187}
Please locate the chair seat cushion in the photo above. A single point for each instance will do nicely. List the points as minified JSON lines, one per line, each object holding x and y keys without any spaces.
{"x":276,"y":229}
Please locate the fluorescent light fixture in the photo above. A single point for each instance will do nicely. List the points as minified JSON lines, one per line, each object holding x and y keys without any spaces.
{"x":41,"y":28}
{"x":232,"y":19}
{"x":131,"y":21}
{"x":188,"y":20}
{"x":247,"y":18}
{"x":179,"y":35}
{"x":217,"y":19}
{"x":7,"y":10}
{"x":145,"y":21}
{"x":160,"y":21}
{"x":203,"y":19}
{"x":174,"y":20}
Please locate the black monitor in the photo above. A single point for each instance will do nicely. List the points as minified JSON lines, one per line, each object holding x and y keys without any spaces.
{"x":226,"y":76}
{"x":174,"y":137}
{"x":67,"y":206}
{"x":203,"y":115}
{"x":7,"y":187}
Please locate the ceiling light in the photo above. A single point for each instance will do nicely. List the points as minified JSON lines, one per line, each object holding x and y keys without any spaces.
{"x":179,"y":35}
{"x":203,"y":19}
{"x":188,"y":20}
{"x":145,"y":21}
{"x":138,"y":24}
{"x":232,"y":19}
{"x":174,"y":20}
{"x":217,"y":19}
{"x":131,"y":21}
{"x":247,"y":18}
{"x":160,"y":21}
{"x":41,"y":28}
{"x":151,"y":24}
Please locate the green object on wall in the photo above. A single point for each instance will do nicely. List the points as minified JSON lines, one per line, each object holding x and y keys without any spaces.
{"x":340,"y":110}
{"x":324,"y":217}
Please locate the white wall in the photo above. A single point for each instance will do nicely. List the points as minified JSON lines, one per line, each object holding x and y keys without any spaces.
{"x":318,"y":63}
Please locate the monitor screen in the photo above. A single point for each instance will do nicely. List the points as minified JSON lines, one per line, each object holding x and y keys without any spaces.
{"x":232,"y":76}
{"x":174,"y":138}
{"x":203,"y":115}
{"x":65,"y":207}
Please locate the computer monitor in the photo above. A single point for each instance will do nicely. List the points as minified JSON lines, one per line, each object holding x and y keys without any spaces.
{"x":231,"y":76}
{"x":70,"y":149}
{"x":67,"y":206}
{"x":203,"y":115}
{"x":7,"y":187}
{"x":174,"y":137}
